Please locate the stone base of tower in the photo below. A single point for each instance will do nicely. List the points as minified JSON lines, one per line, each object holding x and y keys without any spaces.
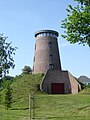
{"x":59,"y":82}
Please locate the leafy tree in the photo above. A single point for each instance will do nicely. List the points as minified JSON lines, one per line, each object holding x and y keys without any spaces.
{"x":5,"y":81}
{"x":8,"y":97}
{"x":1,"y":83}
{"x":26,"y":70}
{"x":6,"y":59}
{"x":77,"y":23}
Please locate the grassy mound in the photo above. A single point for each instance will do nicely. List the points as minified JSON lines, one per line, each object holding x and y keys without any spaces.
{"x":22,"y":87}
{"x":53,"y":107}
{"x":47,"y":107}
{"x":86,"y":91}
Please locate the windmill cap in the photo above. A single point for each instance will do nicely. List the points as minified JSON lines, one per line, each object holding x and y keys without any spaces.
{"x":46,"y":31}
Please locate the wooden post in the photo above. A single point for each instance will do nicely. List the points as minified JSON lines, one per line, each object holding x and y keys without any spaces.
{"x":29,"y":107}
{"x":33,"y":105}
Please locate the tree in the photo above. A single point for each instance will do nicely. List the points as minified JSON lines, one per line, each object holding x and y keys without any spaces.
{"x":26,"y":70}
{"x":8,"y":97}
{"x":77,"y":23}
{"x":5,"y":81}
{"x":6,"y":59}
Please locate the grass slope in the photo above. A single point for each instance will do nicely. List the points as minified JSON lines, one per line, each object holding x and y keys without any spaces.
{"x":22,"y":87}
{"x":47,"y":107}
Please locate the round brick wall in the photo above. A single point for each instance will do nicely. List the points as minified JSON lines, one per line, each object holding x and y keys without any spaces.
{"x":46,"y":53}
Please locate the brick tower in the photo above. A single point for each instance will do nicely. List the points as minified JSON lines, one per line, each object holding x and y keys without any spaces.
{"x":46,"y":54}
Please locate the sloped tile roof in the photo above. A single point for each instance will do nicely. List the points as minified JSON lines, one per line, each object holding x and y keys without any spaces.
{"x":84,"y":79}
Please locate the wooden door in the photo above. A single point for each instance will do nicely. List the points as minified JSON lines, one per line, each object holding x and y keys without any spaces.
{"x":57,"y":88}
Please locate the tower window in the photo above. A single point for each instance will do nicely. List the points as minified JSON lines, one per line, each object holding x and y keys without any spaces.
{"x":35,"y":46}
{"x":50,"y":44}
{"x":34,"y":59}
{"x":50,"y":57}
{"x":51,"y":67}
{"x":33,"y":68}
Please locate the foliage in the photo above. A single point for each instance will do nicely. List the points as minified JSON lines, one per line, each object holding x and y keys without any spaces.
{"x":26,"y":84}
{"x":26,"y":70}
{"x":85,"y":91}
{"x":77,"y":23}
{"x":88,"y":86}
{"x":8,"y":97}
{"x":5,"y":81}
{"x":83,"y":86}
{"x":6,"y":58}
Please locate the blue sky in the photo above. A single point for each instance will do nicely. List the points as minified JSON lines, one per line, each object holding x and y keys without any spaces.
{"x":20,"y":19}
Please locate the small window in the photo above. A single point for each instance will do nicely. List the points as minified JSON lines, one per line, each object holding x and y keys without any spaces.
{"x":44,"y":34}
{"x":51,"y":66}
{"x":54,"y":36}
{"x":51,"y":34}
{"x":33,"y":68}
{"x":35,"y":46}
{"x":38,"y":35}
{"x":34,"y":59}
{"x":47,"y":34}
{"x":41,"y":34}
{"x":50,"y":44}
{"x":50,"y":57}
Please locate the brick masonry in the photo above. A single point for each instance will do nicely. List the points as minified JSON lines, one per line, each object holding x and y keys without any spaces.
{"x":42,"y":53}
{"x":71,"y":85}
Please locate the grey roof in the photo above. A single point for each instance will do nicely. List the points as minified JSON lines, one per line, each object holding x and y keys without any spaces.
{"x":84,"y":79}
{"x":46,"y":31}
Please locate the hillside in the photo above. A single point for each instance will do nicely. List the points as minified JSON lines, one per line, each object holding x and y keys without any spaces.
{"x":47,"y":107}
{"x":22,"y":87}
{"x":85,"y":91}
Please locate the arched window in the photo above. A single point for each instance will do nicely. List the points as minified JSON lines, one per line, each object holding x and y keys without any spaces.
{"x":35,"y":46}
{"x":34,"y":59}
{"x":50,"y":56}
{"x":50,"y":44}
{"x":51,"y":67}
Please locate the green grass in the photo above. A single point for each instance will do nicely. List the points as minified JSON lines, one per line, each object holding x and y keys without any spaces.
{"x":53,"y":107}
{"x":86,"y":91}
{"x":12,"y":114}
{"x":47,"y":107}
{"x":63,"y":107}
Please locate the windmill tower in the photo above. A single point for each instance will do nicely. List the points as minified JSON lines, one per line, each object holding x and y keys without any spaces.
{"x":47,"y":61}
{"x":46,"y":53}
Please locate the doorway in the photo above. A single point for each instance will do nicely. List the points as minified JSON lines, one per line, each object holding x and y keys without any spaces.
{"x":57,"y":88}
